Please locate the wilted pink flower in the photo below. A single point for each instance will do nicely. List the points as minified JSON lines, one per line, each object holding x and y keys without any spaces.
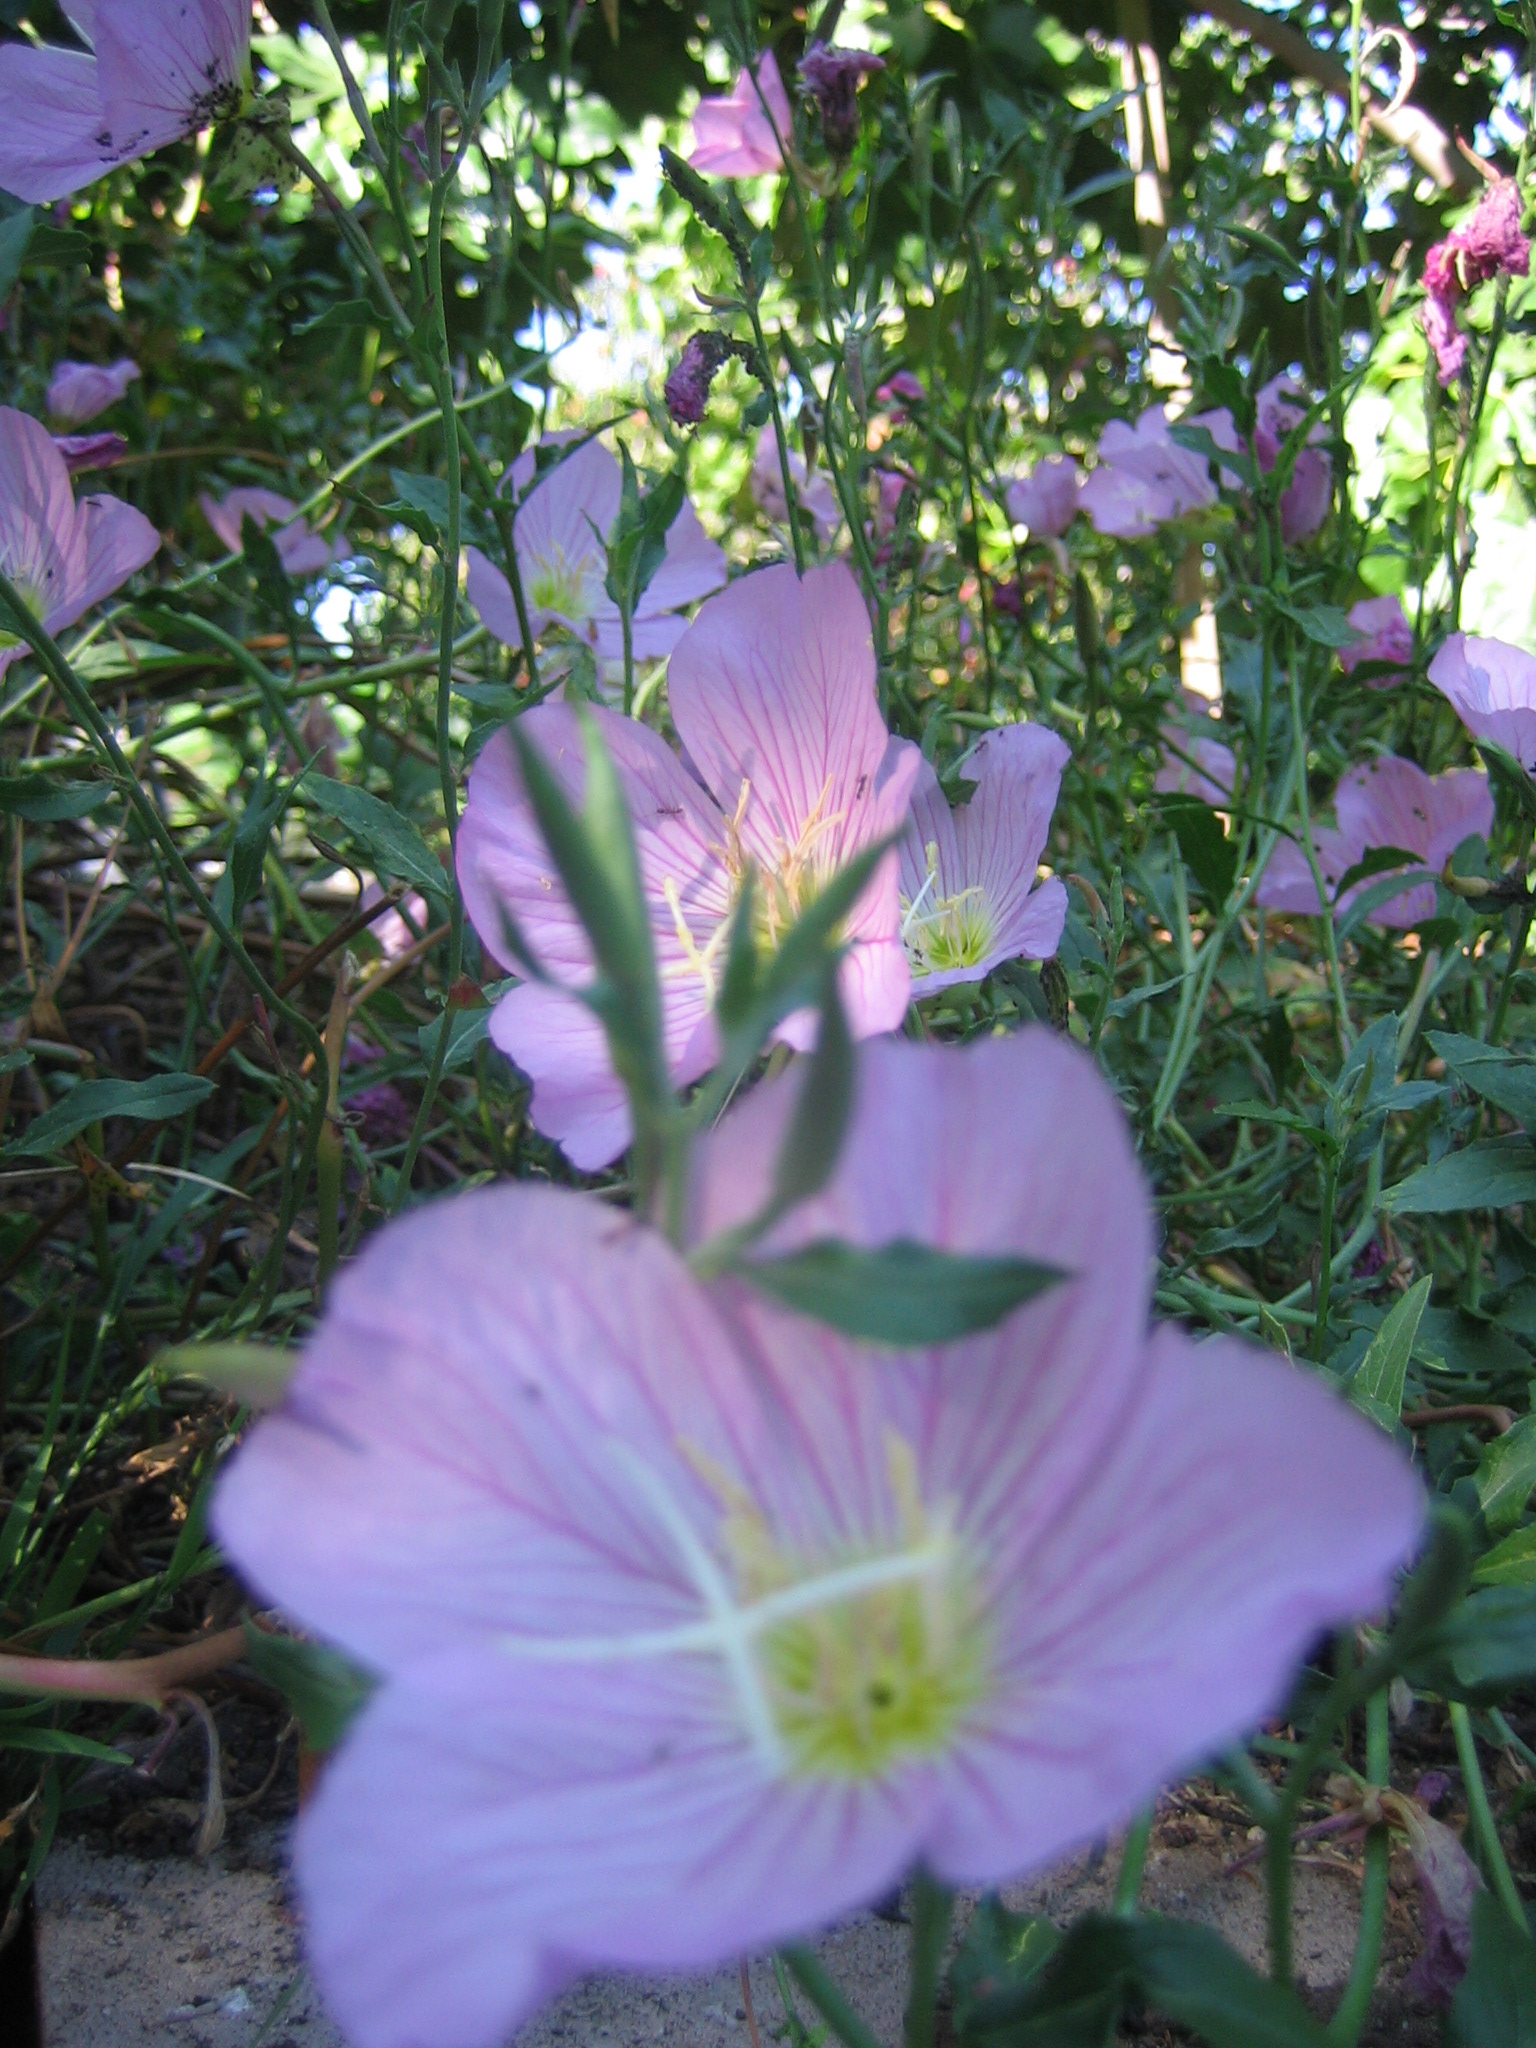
{"x":560,"y":534}
{"x":772,"y":692}
{"x":969,"y":892}
{"x":698,"y":1626}
{"x":158,"y":70}
{"x":1490,"y":242}
{"x":815,"y":497}
{"x":1196,"y":766}
{"x":1007,"y":599}
{"x":686,"y":390}
{"x":302,"y":551}
{"x":1493,"y":687}
{"x":744,"y":133}
{"x":1046,"y":500}
{"x":61,"y":557}
{"x":80,"y":391}
{"x":1449,"y":1882}
{"x":1385,"y":635}
{"x":1304,"y":503}
{"x":90,"y":451}
{"x":1387,"y":803}
{"x":832,"y":78}
{"x":1145,"y":478}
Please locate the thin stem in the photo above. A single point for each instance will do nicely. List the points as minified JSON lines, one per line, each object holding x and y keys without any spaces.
{"x":1517,"y":939}
{"x":1133,"y":1861}
{"x":811,"y":1975}
{"x":1345,"y":2027}
{"x":933,"y":1906}
{"x":1480,"y":1813}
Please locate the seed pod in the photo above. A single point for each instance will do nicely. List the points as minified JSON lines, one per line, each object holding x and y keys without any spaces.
{"x":1058,"y":996}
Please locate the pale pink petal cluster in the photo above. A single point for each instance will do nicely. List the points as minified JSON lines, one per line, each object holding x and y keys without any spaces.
{"x":61,"y":557}
{"x":1304,"y":503}
{"x":79,"y":391}
{"x":1493,"y":687}
{"x":156,"y":70}
{"x":743,"y":133}
{"x":1491,"y":242}
{"x":970,"y":893}
{"x":1046,"y":501}
{"x":698,"y":1626}
{"x":302,"y":552}
{"x":1144,"y":478}
{"x":560,"y":533}
{"x":814,"y":495}
{"x":1386,"y":803}
{"x":789,"y":768}
{"x":1384,"y":635}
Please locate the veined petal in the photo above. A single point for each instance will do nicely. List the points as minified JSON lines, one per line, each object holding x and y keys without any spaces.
{"x":490,"y":593}
{"x":1240,"y":1510}
{"x":42,"y":549}
{"x":930,"y":823}
{"x":692,"y":567}
{"x":115,"y":541}
{"x":50,"y":123}
{"x":168,"y":67}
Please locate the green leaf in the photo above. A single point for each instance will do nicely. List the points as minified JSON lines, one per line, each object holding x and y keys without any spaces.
{"x":822,"y":1108}
{"x":257,"y":1375}
{"x":325,"y":1689}
{"x":1377,"y":1386}
{"x":1378,"y":860}
{"x":1506,"y":1473}
{"x":421,"y":503}
{"x":345,"y":313}
{"x":1510,"y":1563}
{"x":1484,"y":1647}
{"x":1323,"y":624}
{"x":467,"y":1030}
{"x":248,"y":850}
{"x":388,"y":838}
{"x":43,"y":801}
{"x":1208,"y":853}
{"x":16,"y":231}
{"x":90,"y":1102}
{"x":1509,"y":780}
{"x":1492,"y":1173}
{"x":1184,"y":1971}
{"x":57,"y":247}
{"x":1504,"y":1078}
{"x":1495,"y":2003}
{"x":1001,"y":1951}
{"x":899,"y":1293}
{"x":57,"y":1742}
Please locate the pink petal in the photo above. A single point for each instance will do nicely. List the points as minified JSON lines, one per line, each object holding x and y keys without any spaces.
{"x":1124,"y":506}
{"x":50,"y":123}
{"x":930,"y":822}
{"x":1239,"y":1510}
{"x":692,"y":567}
{"x":168,"y":67}
{"x":80,"y":391}
{"x":1493,"y":687}
{"x":578,"y":1100}
{"x":491,"y":595}
{"x":116,"y":542}
{"x":39,"y":547}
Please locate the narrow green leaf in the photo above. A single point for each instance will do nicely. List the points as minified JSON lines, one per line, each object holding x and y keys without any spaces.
{"x":90,"y":1102}
{"x":1208,"y":853}
{"x":1495,"y":2003}
{"x":43,"y":801}
{"x":1510,"y":1563}
{"x":1506,"y":1475}
{"x":820,"y":1120}
{"x":256,"y":1374}
{"x":58,"y":1742}
{"x":1504,"y":1078}
{"x":325,"y":1689}
{"x":1377,"y":1386}
{"x":1493,"y":1173}
{"x":899,"y":1293}
{"x":390,"y":841}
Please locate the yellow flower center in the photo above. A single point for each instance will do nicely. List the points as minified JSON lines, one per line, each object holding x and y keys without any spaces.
{"x":942,"y":933}
{"x":560,"y":585}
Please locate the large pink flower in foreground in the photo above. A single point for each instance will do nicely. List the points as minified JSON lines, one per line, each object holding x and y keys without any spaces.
{"x":970,"y":898}
{"x":302,"y":552}
{"x":1493,"y":687}
{"x":772,"y":692}
{"x":743,"y":133}
{"x":1386,"y":803}
{"x":699,"y":1626}
{"x":157,"y":70}
{"x":61,"y":557}
{"x":560,"y":533}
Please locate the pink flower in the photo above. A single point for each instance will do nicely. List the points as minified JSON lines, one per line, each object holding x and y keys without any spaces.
{"x":1493,"y":687}
{"x":772,"y":692}
{"x":1304,"y":503}
{"x":1194,"y":766}
{"x":1385,"y":635}
{"x":969,"y":897}
{"x":80,"y":391}
{"x":158,"y":70}
{"x":1046,"y":500}
{"x":698,"y":1626}
{"x":816,"y":498}
{"x":561,"y":532}
{"x":902,"y":387}
{"x":61,"y":557}
{"x":394,"y":935}
{"x":1490,"y":242}
{"x":744,"y":133}
{"x":90,"y":451}
{"x":832,"y":78}
{"x":1145,"y":478}
{"x":1386,"y":803}
{"x":302,"y":552}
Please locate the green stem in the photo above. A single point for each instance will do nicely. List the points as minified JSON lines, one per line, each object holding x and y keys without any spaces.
{"x":933,"y":1906}
{"x":1517,"y":939}
{"x":811,"y":1975}
{"x":1133,"y":1861}
{"x":1484,"y":1828}
{"x":1325,"y":1265}
{"x":1345,"y":2027}
{"x":1277,"y":1870}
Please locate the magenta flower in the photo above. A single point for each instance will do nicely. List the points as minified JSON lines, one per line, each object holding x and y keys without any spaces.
{"x":157,"y":70}
{"x":901,"y":388}
{"x":698,"y":1626}
{"x":80,"y":391}
{"x":561,"y":533}
{"x":815,"y":496}
{"x":1386,"y":803}
{"x":1145,"y":478}
{"x":1304,"y":503}
{"x":61,"y":557}
{"x":744,"y":133}
{"x":1197,"y":766}
{"x":832,"y":79}
{"x":686,"y":390}
{"x":1491,"y":242}
{"x":1493,"y":687}
{"x":1384,"y":635}
{"x":1046,"y":500}
{"x":772,"y":692}
{"x":302,"y":552}
{"x":969,"y":894}
{"x":90,"y":451}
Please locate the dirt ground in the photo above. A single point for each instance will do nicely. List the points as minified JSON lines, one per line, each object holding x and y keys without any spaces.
{"x":180,"y":1954}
